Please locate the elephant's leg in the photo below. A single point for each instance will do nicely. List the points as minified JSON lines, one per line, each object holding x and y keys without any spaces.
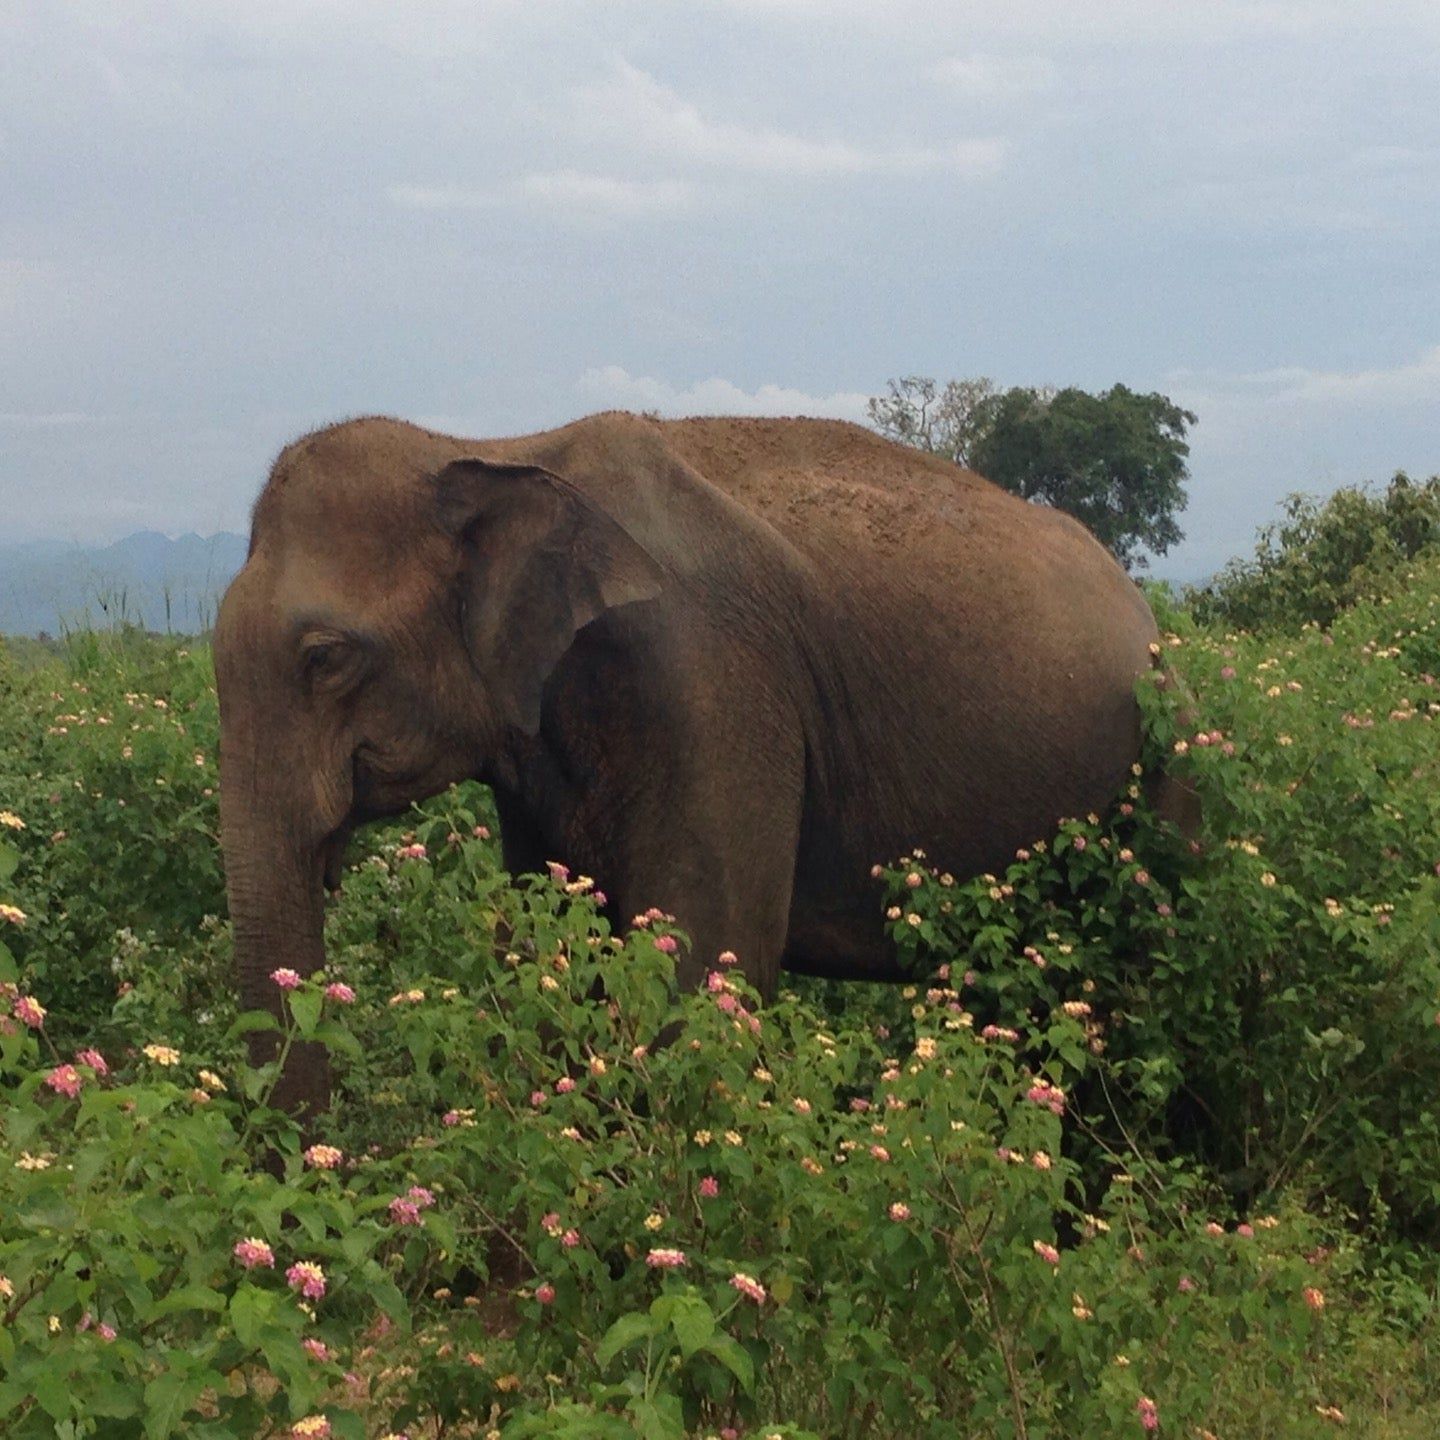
{"x":713,"y":839}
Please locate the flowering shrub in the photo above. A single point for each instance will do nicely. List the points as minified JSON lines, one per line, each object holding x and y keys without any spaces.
{"x":1265,"y":997}
{"x":1146,"y":1146}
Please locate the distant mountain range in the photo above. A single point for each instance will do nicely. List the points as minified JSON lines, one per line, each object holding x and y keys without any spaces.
{"x":147,"y":579}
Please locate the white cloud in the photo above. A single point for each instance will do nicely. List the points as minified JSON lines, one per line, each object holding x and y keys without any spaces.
{"x":572,"y":191}
{"x":1412,"y":382}
{"x":42,"y":420}
{"x":636,"y":109}
{"x":996,"y":77}
{"x":1105,"y":22}
{"x":613,"y":386}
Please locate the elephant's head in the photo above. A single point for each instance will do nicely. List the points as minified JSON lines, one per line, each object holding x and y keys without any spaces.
{"x":395,"y":622}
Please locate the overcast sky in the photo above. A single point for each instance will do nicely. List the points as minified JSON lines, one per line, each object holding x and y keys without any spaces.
{"x":222,"y":224}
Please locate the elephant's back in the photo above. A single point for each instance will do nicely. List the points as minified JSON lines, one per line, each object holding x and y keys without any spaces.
{"x":943,"y":543}
{"x":996,"y":642}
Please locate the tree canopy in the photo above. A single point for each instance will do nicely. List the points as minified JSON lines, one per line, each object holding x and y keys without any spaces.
{"x":1114,"y":460}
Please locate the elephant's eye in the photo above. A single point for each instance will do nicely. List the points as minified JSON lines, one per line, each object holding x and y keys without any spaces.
{"x":330,"y":663}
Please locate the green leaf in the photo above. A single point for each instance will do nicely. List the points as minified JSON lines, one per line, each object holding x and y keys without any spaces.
{"x":729,"y":1353}
{"x":249,"y":1021}
{"x":658,"y":1419}
{"x":167,"y":1397}
{"x":622,"y":1334}
{"x":189,"y":1297}
{"x":305,"y":1007}
{"x":693,"y":1323}
{"x":250,"y":1311}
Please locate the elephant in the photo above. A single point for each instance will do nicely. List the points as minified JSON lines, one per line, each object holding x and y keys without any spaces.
{"x":721,"y":665}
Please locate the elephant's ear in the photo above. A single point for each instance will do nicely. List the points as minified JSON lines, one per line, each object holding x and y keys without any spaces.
{"x":541,"y":561}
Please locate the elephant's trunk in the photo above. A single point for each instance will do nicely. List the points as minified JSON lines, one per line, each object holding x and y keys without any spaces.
{"x":277,"y":916}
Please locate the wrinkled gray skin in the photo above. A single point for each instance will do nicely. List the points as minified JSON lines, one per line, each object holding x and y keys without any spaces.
{"x":723,"y":666}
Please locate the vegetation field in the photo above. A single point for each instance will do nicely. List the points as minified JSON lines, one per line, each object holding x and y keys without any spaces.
{"x":1151,"y":1144}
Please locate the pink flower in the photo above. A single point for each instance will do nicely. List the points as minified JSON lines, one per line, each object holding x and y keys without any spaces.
{"x":28,"y":1011}
{"x":1314,"y":1298}
{"x":94,"y":1059}
{"x":709,"y":1188}
{"x":1246,"y":1230}
{"x":286,"y":979}
{"x":550,"y":1222}
{"x":666,"y":944}
{"x":564,"y":1085}
{"x":545,"y":1293}
{"x":1142,"y":877}
{"x":899,"y":1211}
{"x":558,"y":873}
{"x":1185,"y":1285}
{"x":1042,"y":1092}
{"x":748,"y":1286}
{"x":1148,"y":1412}
{"x":317,"y":1348}
{"x":1080,"y":842}
{"x":1213,"y":1227}
{"x":481,"y":832}
{"x":451,"y":1118}
{"x":728,"y":957}
{"x":105,"y":1332}
{"x":715,"y":982}
{"x":880,"y":1153}
{"x":308,"y":1278}
{"x":1048,"y":1253}
{"x":1227,"y":672}
{"x":323,"y":1157}
{"x":411,"y":852}
{"x":252,"y":1253}
{"x":999,"y":1032}
{"x":340,"y":992}
{"x":64,"y":1080}
{"x":570,"y":1239}
{"x":663,"y":1259}
{"x":421,"y":1196}
{"x":601,"y":898}
{"x":538,"y":1098}
{"x":405,"y":1212}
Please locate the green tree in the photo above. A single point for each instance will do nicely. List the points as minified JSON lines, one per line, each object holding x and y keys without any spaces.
{"x":1325,"y":556}
{"x":1114,"y":460}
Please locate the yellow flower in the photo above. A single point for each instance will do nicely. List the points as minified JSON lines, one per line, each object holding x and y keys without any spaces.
{"x":162,"y":1054}
{"x":10,"y":820}
{"x":27,"y":1161}
{"x":653,"y":1221}
{"x":703,"y":1137}
{"x":1268,"y":879}
{"x":211,"y":1081}
{"x":732,"y":1137}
